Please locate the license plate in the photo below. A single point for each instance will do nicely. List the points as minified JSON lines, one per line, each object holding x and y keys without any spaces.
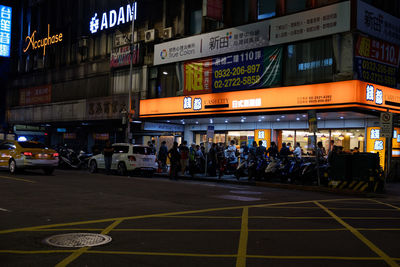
{"x":41,"y":156}
{"x":146,"y":159}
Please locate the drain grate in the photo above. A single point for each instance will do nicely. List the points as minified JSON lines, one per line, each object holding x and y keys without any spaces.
{"x":78,"y":240}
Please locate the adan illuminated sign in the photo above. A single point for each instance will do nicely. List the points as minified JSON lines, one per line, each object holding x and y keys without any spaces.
{"x":49,"y":40}
{"x":113,"y":18}
{"x":5,"y":30}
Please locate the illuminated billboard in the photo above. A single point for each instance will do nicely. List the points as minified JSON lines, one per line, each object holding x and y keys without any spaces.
{"x":5,"y":30}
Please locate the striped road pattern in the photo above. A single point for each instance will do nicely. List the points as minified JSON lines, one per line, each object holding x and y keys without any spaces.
{"x":348,"y":232}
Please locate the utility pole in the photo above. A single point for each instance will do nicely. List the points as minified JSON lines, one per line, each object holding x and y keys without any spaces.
{"x":128,"y":138}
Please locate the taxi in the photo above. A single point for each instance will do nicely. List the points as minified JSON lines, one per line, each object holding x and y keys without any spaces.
{"x":16,"y":155}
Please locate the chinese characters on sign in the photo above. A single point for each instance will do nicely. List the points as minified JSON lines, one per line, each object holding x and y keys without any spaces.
{"x":246,"y":103}
{"x":376,"y":61}
{"x":377,"y":23}
{"x":311,"y":24}
{"x":372,"y":94}
{"x":256,"y":68}
{"x":120,"y":56}
{"x":106,"y":108}
{"x":35,"y":95}
{"x":321,"y":99}
{"x":376,"y":143}
{"x":196,"y":105}
{"x":5,"y":30}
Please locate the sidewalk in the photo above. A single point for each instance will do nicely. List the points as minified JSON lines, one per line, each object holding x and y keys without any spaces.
{"x":392,"y":189}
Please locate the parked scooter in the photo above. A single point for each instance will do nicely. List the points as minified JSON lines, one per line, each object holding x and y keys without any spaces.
{"x":68,"y":158}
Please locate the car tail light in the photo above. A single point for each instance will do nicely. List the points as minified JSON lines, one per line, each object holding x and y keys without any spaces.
{"x":132,"y":158}
{"x":29,"y":154}
{"x":55,"y":155}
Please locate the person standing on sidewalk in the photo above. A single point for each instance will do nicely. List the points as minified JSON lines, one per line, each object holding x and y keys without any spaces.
{"x":212,"y":168}
{"x":184,"y":153}
{"x":108,"y":153}
{"x":162,"y":156}
{"x":174,"y":157}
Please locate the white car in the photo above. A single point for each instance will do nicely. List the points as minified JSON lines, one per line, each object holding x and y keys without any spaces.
{"x":127,"y":158}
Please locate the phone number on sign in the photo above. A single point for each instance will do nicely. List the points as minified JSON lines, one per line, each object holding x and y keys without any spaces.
{"x":234,"y":82}
{"x":236,"y":71}
{"x":378,"y":78}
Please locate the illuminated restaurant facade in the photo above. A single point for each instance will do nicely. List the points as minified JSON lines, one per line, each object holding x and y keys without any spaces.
{"x":213,"y":71}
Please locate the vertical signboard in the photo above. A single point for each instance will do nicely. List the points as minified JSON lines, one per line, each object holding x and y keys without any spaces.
{"x":5,"y":30}
{"x":376,"y":143}
{"x":263,"y":135}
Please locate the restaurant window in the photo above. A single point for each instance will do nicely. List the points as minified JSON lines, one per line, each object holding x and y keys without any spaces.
{"x":266,"y":9}
{"x":309,"y":62}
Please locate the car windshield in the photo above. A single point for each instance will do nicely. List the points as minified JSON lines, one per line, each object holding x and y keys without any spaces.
{"x":121,"y":149}
{"x":143,"y":150}
{"x":32,"y":145}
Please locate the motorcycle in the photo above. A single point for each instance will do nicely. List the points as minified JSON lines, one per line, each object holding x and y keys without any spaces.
{"x":228,"y":166}
{"x":68,"y":158}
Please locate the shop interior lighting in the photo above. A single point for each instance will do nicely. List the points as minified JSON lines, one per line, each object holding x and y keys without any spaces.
{"x":304,"y":115}
{"x":242,"y":120}
{"x":226,"y":121}
{"x":305,"y":138}
{"x":168,"y":121}
{"x":323,"y":137}
{"x":349,"y":134}
{"x":341,"y":117}
{"x":278,"y":119}
{"x":283,"y":116}
{"x":361,"y":137}
{"x":211,"y":121}
{"x":290,"y":137}
{"x":341,"y":137}
{"x":259,"y":120}
{"x":136,"y":121}
{"x":319,"y":118}
{"x":197,"y":122}
{"x":165,"y":73}
{"x":262,"y":117}
{"x":297,"y":119}
{"x":336,"y":133}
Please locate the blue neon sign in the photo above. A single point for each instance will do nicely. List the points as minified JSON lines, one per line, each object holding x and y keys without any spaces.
{"x":112,"y":18}
{"x":5,"y":30}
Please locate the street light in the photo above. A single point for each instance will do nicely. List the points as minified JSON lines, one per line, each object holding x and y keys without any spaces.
{"x":128,"y":128}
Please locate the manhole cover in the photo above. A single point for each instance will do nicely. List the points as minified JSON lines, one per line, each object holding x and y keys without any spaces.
{"x":78,"y":240}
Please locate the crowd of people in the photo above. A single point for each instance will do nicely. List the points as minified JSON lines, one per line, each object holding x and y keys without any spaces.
{"x":192,"y":159}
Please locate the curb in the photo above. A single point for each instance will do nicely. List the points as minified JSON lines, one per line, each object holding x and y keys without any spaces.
{"x":282,"y":186}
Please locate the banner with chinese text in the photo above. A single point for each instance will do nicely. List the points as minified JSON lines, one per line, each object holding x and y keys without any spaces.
{"x":35,"y":95}
{"x":251,"y":69}
{"x":376,"y":61}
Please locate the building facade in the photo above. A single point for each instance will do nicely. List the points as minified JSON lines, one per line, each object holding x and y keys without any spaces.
{"x":207,"y":71}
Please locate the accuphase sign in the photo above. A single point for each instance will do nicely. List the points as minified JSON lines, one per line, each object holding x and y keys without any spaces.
{"x":112,"y":18}
{"x":49,"y":40}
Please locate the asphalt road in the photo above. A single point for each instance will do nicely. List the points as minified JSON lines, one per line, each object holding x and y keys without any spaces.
{"x":159,"y":222}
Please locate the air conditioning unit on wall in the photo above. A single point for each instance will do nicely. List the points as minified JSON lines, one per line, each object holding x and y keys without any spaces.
{"x":149,"y":36}
{"x":167,"y":33}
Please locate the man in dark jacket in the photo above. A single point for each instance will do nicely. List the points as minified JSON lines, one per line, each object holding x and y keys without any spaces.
{"x":108,"y":152}
{"x":174,"y":157}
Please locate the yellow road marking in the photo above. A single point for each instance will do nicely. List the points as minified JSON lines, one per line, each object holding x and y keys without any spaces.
{"x":387,"y":204}
{"x":80,"y":251}
{"x":290,"y":218}
{"x":157,"y":215}
{"x":144,"y":253}
{"x":374,"y":248}
{"x":212,"y":230}
{"x":242,"y":250}
{"x":315,"y":258}
{"x":204,"y":217}
{"x":18,"y":179}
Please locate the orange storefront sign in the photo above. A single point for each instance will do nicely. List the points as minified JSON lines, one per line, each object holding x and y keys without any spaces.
{"x":376,"y":143}
{"x":343,"y":94}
